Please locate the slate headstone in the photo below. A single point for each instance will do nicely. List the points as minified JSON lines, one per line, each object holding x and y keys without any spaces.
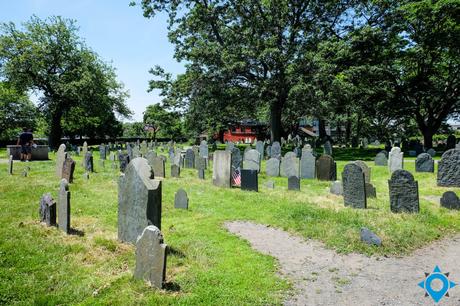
{"x":175,"y":170}
{"x":450,"y":200}
{"x":151,"y":257}
{"x":326,"y":168}
{"x":252,"y":160}
{"x":289,"y":166}
{"x":327,"y":148}
{"x":158,"y":167}
{"x":89,"y":162}
{"x":381,"y":159}
{"x":135,"y":151}
{"x":68,"y":169}
{"x":275,"y":150}
{"x":451,"y":142}
{"x":307,"y":165}
{"x":189,"y":159}
{"x":366,"y":170}
{"x":293,"y":183}
{"x":102,"y":152}
{"x":47,"y":210}
{"x":64,"y":207}
{"x":230,"y":146}
{"x":432,"y":152}
{"x":60,"y":157}
{"x":260,"y":149}
{"x":236,"y":159}
{"x":449,"y":169}
{"x":249,"y":179}
{"x":139,"y":200}
{"x":123,"y":159}
{"x":181,"y":199}
{"x":403,"y":192}
{"x":222,"y":169}
{"x":424,"y":163}
{"x":354,"y":186}
{"x":273,"y":167}
{"x":395,"y":159}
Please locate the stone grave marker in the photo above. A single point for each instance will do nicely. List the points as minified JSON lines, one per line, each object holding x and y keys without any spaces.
{"x":60,"y":157}
{"x":102,"y":152}
{"x":424,"y":163}
{"x":151,"y":257}
{"x":200,"y":163}
{"x":25,"y":172}
{"x":289,"y":165}
{"x":432,"y":152}
{"x":336,"y":188}
{"x":222,"y":169}
{"x":129,"y":149}
{"x":68,"y":170}
{"x":293,"y":183}
{"x":275,"y":151}
{"x":139,"y":200}
{"x":175,"y":170}
{"x":268,"y":152}
{"x":307,"y":165}
{"x":371,"y":192}
{"x":252,"y":160}
{"x":249,"y":179}
{"x":381,"y":159}
{"x":260,"y":149}
{"x":158,"y":167}
{"x":10,"y":165}
{"x":273,"y":167}
{"x":64,"y":207}
{"x":366,"y":170}
{"x":83,"y":153}
{"x":403,"y":192}
{"x":396,"y":159}
{"x":230,"y":146}
{"x":236,"y":159}
{"x":89,"y":162}
{"x":449,"y":169}
{"x":181,"y":199}
{"x":123,"y":159}
{"x":189,"y":159}
{"x":354,"y":186}
{"x":326,"y":168}
{"x":47,"y":210}
{"x":450,"y":200}
{"x":201,"y":173}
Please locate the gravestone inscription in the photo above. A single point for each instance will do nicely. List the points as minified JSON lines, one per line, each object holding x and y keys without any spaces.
{"x":403,"y":192}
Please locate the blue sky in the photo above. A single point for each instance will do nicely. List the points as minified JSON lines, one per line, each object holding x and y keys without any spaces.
{"x":117,"y":32}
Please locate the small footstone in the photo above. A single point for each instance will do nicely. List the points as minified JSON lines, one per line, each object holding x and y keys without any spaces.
{"x":293,"y":183}
{"x":450,"y":200}
{"x":369,"y":237}
{"x":181,"y":199}
{"x":151,"y":257}
{"x":336,"y":188}
{"x":270,"y":185}
{"x":201,"y":174}
{"x":47,"y":210}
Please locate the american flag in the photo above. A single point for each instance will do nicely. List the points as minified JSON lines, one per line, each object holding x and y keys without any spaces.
{"x":236,"y":177}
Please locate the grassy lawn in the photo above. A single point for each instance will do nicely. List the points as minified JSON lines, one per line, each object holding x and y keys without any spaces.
{"x":206,"y":265}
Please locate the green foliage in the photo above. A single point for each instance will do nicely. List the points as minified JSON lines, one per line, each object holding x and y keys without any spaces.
{"x":134,"y":130}
{"x":47,"y":56}
{"x":163,"y":123}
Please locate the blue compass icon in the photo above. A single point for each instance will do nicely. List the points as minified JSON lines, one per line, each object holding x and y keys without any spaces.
{"x":427,"y":284}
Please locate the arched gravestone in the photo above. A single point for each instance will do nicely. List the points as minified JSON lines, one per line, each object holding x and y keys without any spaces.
{"x":289,"y":165}
{"x":307,"y":165}
{"x":139,"y":200}
{"x":175,"y":170}
{"x":396,"y":159}
{"x":260,"y":148}
{"x":424,"y":163}
{"x":275,"y":151}
{"x":366,"y":170}
{"x":222,"y":169}
{"x":450,"y":200}
{"x":449,"y":169}
{"x":432,"y":152}
{"x":251,"y":160}
{"x":293,"y":183}
{"x":326,"y":168}
{"x":189,"y":159}
{"x":381,"y":159}
{"x":158,"y":167}
{"x":60,"y":157}
{"x":204,"y":150}
{"x":181,"y":199}
{"x":403,"y":192}
{"x":354,"y":186}
{"x":273,"y":167}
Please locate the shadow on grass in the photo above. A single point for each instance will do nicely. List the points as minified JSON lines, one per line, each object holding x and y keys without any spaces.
{"x":175,"y":252}
{"x":76,"y":232}
{"x":172,"y":287}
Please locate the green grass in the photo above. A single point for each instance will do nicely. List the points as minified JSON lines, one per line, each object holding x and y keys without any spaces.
{"x":206,"y":265}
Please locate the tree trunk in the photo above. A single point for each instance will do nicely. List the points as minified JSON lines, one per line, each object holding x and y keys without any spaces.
{"x":55,"y":134}
{"x":275,"y":121}
{"x":428,"y":138}
{"x":322,"y":129}
{"x":348,"y":130}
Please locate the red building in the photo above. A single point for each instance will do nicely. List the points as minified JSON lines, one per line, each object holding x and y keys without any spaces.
{"x":245,"y":131}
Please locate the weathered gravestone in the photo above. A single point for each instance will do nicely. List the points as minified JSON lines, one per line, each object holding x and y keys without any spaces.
{"x":47,"y":210}
{"x":396,"y":159}
{"x":326,"y":168}
{"x":139,"y":200}
{"x":201,"y":173}
{"x":158,"y":167}
{"x":10,"y":165}
{"x":89,"y":162}
{"x":249,"y":179}
{"x":381,"y":159}
{"x":424,"y":163}
{"x":449,"y":169}
{"x":354,"y":186}
{"x":64,"y":207}
{"x":151,"y":257}
{"x":204,"y":149}
{"x":68,"y":169}
{"x":222,"y":169}
{"x":123,"y":159}
{"x":273,"y":167}
{"x":200,"y":163}
{"x":450,"y":200}
{"x":366,"y":170}
{"x":336,"y":188}
{"x":83,"y":153}
{"x":451,"y":142}
{"x":230,"y":146}
{"x":293,"y":183}
{"x":275,"y":151}
{"x":251,"y":160}
{"x":289,"y":165}
{"x":102,"y":151}
{"x":175,"y":170}
{"x":189,"y":159}
{"x":178,"y":159}
{"x":260,"y":149}
{"x":181,"y":199}
{"x":268,"y":152}
{"x":60,"y":157}
{"x":307,"y":165}
{"x":403,"y":192}
{"x":432,"y":152}
{"x":236,"y":160}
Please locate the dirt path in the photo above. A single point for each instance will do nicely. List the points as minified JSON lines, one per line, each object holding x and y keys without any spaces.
{"x":322,"y":277}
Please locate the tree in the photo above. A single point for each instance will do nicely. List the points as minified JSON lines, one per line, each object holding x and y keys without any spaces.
{"x":243,"y":53}
{"x":47,"y":56}
{"x":168,"y":124}
{"x":16,"y":111}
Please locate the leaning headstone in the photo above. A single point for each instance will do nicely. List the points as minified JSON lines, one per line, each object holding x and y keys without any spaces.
{"x":222,"y":169}
{"x":139,"y":200}
{"x":89,"y":162}
{"x":424,"y":163}
{"x":307,"y":165}
{"x":252,"y":160}
{"x":270,"y":184}
{"x":449,"y":169}
{"x":151,"y":257}
{"x":60,"y":157}
{"x":403,"y":192}
{"x":396,"y":159}
{"x":450,"y":200}
{"x":336,"y":188}
{"x":181,"y":199}
{"x":47,"y":210}
{"x":83,"y":153}
{"x":326,"y":168}
{"x":275,"y":150}
{"x":366,"y":170}
{"x":10,"y":165}
{"x":260,"y":148}
{"x":64,"y":207}
{"x":354,"y":186}
{"x":451,"y":142}
{"x":273,"y":167}
{"x":249,"y":179}
{"x":189,"y":159}
{"x":432,"y":152}
{"x":158,"y":167}
{"x":68,"y":169}
{"x":381,"y":159}
{"x":289,"y":166}
{"x":293,"y":183}
{"x":175,"y":170}
{"x":369,"y":237}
